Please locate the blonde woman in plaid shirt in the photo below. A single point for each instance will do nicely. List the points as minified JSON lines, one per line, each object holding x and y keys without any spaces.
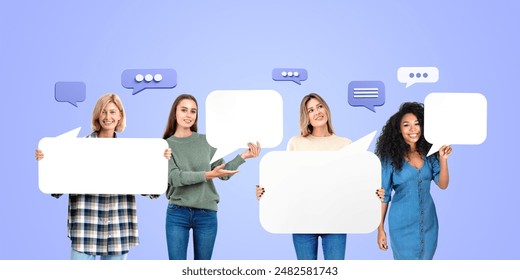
{"x":103,"y":225}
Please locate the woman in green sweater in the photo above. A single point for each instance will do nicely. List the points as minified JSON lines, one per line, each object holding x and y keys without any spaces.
{"x":191,"y":192}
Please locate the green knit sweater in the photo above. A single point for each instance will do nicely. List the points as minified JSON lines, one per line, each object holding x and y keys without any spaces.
{"x":187,"y":185}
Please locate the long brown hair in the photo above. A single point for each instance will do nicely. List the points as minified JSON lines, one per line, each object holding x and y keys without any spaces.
{"x":171,"y":126}
{"x":305,"y":123}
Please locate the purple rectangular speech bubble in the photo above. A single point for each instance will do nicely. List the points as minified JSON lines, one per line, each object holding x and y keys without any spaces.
{"x":72,"y":92}
{"x":366,"y":93}
{"x":140,"y":79}
{"x":290,"y":74}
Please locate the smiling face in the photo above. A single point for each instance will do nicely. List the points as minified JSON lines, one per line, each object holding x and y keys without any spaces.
{"x":109,"y":117}
{"x":186,"y":114}
{"x":318,"y":115}
{"x":410,"y":129}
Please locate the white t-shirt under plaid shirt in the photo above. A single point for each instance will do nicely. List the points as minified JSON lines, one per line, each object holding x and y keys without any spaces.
{"x":103,"y":224}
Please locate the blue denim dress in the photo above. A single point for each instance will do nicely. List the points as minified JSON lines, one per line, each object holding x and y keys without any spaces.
{"x":412,"y":219}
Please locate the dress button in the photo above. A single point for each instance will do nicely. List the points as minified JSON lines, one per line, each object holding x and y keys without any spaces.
{"x":420,"y":190}
{"x":422,"y":241}
{"x":420,"y":181}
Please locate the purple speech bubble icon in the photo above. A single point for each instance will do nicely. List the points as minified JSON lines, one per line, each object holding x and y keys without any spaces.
{"x":71,"y":92}
{"x":290,"y":74}
{"x":140,"y":79}
{"x":367,"y":94}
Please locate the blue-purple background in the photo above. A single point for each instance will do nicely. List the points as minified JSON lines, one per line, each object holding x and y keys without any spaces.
{"x":235,"y":45}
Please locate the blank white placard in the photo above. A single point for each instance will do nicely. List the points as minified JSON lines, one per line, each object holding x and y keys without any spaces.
{"x":103,"y":165}
{"x":320,"y":192}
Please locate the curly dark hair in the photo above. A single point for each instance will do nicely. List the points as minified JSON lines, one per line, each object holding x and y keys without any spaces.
{"x":391,"y":145}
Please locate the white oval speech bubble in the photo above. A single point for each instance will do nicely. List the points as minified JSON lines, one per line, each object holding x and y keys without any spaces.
{"x":102,"y":165}
{"x":454,"y":118}
{"x":236,"y":117}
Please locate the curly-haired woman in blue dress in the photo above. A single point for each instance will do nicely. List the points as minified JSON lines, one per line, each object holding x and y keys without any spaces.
{"x":412,"y":219}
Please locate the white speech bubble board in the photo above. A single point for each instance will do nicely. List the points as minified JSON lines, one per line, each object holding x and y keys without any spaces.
{"x":103,"y":165}
{"x":454,"y":118}
{"x":320,"y":192}
{"x":236,"y":117}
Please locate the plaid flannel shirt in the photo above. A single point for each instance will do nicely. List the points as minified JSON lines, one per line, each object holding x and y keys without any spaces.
{"x":102,"y":224}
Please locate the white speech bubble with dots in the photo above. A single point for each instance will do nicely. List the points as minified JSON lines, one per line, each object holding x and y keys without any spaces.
{"x":416,"y":75}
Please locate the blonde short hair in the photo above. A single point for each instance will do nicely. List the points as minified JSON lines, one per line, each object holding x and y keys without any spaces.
{"x":101,"y":104}
{"x":305,"y":123}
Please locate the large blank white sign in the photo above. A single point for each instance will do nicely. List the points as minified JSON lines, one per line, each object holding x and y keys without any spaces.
{"x":320,"y":192}
{"x":103,"y":165}
{"x":236,"y":117}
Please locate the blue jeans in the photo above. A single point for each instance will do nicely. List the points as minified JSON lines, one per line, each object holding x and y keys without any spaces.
{"x":76,"y":255}
{"x":306,"y":246}
{"x":179,"y":221}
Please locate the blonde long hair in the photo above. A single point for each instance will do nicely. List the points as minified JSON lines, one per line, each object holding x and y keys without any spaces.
{"x":305,"y":123}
